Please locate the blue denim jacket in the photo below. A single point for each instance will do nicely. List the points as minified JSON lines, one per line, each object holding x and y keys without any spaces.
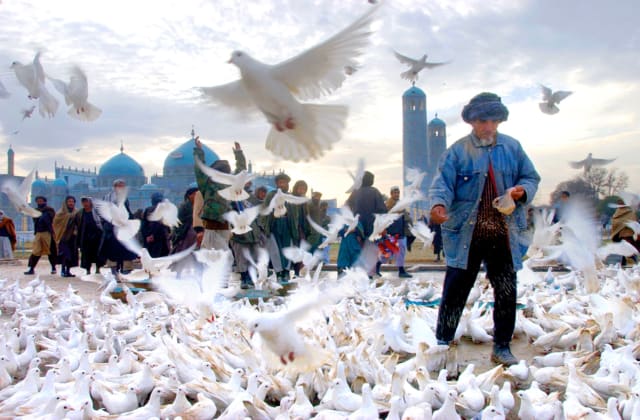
{"x":458,"y":186}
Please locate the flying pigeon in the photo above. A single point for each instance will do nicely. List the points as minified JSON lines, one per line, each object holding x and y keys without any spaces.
{"x":4,"y":93}
{"x":166,"y":213}
{"x":590,"y":162}
{"x":118,"y":215}
{"x":76,"y":94}
{"x":422,"y":232}
{"x":381,"y":222}
{"x":27,"y":113}
{"x":415,"y":66}
{"x":277,"y":203}
{"x":300,"y":131}
{"x":18,"y":195}
{"x":550,"y":99}
{"x":357,"y":177}
{"x":32,"y":77}
{"x":235,"y":191}
{"x":241,"y":221}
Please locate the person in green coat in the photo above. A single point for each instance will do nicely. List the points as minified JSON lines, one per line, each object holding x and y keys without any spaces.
{"x":216,"y":230}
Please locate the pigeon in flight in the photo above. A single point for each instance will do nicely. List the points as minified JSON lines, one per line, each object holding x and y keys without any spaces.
{"x":236,"y":182}
{"x":357,"y":177}
{"x":18,"y":195}
{"x":166,"y":213}
{"x":590,"y":162}
{"x":76,"y":94}
{"x":32,"y":77}
{"x":277,"y":203}
{"x":550,"y":99}
{"x":300,"y":131}
{"x":415,"y":66}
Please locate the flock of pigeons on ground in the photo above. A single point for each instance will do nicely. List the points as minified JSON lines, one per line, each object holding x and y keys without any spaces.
{"x":300,"y":130}
{"x":332,"y":348}
{"x":347,"y":348}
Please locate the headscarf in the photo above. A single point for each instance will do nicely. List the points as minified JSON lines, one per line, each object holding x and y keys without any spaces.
{"x":156,"y":197}
{"x":485,"y":106}
{"x":62,"y":220}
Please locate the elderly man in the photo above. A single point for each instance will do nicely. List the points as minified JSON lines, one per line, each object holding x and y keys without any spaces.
{"x":43,"y":236}
{"x":473,"y":172}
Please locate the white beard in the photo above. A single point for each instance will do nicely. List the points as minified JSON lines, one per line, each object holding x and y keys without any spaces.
{"x":486,"y":142}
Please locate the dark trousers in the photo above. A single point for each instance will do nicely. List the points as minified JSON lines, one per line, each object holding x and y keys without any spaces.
{"x":458,"y":283}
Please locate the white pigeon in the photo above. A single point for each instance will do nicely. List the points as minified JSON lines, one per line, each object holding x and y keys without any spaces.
{"x":331,"y":234}
{"x":259,"y":269}
{"x":241,"y":221}
{"x":590,"y":162}
{"x":300,"y":131}
{"x":19,"y":194}
{"x":150,"y":265}
{"x":410,"y":197}
{"x":414,"y":177}
{"x":236,"y":182}
{"x":551,"y":99}
{"x":623,"y":248}
{"x":76,"y":94}
{"x":278,"y":329}
{"x":635,"y":227}
{"x":32,"y":77}
{"x":301,"y":254}
{"x":118,"y":216}
{"x":4,"y":93}
{"x":201,"y":293}
{"x":27,"y":113}
{"x":422,"y":232}
{"x":415,"y":66}
{"x":356,"y":177}
{"x":166,"y":213}
{"x":545,"y":232}
{"x":278,"y":201}
{"x":381,"y":222}
{"x":349,"y":219}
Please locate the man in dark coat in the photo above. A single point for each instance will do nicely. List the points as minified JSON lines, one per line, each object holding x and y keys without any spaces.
{"x":154,"y":234}
{"x":367,"y":201}
{"x":184,"y":236}
{"x":116,"y":255}
{"x":43,"y":239}
{"x":89,"y":235}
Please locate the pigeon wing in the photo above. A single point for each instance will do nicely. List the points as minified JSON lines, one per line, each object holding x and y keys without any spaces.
{"x":577,"y":165}
{"x":546,"y":93}
{"x":404,"y":59}
{"x":436,"y":64}
{"x":294,"y":199}
{"x":560,"y":95}
{"x":601,"y":162}
{"x":61,"y":87}
{"x":25,"y":186}
{"x":230,"y":94}
{"x":216,"y":176}
{"x":320,"y":70}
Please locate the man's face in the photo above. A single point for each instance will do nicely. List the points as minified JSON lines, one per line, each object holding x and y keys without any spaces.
{"x":261,"y":194}
{"x":40,"y":202}
{"x":283,"y":184}
{"x":71,"y":204}
{"x":395,"y":194}
{"x":485,"y":129}
{"x":86,"y":205}
{"x":301,"y":190}
{"x":120,"y":186}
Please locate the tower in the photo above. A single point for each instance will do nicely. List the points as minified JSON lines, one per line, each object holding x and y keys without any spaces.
{"x":10,"y":162}
{"x":436,"y":145}
{"x":414,"y":137}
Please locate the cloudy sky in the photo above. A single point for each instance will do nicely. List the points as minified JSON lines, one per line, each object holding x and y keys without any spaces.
{"x":143,"y":59}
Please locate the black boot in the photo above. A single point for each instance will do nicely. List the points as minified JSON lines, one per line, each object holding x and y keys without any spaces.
{"x":402,"y":273}
{"x":33,"y":260}
{"x":378,"y":265}
{"x":502,"y":355}
{"x":245,"y":281}
{"x":63,"y":271}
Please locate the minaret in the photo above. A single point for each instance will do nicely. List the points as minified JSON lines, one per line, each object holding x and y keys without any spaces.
{"x":10,"y":162}
{"x":437,"y":144}
{"x":414,"y":135}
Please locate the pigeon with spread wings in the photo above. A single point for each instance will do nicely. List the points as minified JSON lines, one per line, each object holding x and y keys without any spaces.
{"x":32,"y":77}
{"x":415,"y":66}
{"x":76,"y":94}
{"x":589,"y":163}
{"x":300,"y":131}
{"x":550,"y":100}
{"x":18,"y":195}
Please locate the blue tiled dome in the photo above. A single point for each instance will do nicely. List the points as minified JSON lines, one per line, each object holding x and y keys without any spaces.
{"x":182,"y":157}
{"x":414,"y":91}
{"x":121,"y":165}
{"x":60,"y":183}
{"x":437,"y":122}
{"x":38,"y":183}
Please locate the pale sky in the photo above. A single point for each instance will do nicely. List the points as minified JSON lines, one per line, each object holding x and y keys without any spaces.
{"x":143,"y":59}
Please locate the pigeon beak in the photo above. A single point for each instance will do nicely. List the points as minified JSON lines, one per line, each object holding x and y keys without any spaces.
{"x":230,"y":60}
{"x":251,"y":335}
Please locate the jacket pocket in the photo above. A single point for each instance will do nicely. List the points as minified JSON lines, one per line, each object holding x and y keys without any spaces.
{"x":467,"y":185}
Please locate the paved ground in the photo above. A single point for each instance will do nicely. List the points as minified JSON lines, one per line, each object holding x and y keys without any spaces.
{"x":468,"y":352}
